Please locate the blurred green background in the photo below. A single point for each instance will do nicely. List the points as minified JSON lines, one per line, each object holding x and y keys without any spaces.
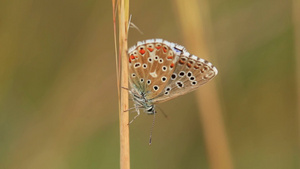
{"x":58,"y":92}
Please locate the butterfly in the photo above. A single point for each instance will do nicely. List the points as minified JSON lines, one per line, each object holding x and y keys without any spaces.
{"x":160,"y":71}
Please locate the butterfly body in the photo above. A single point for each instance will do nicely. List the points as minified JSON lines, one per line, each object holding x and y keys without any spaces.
{"x":142,"y":102}
{"x":160,"y":70}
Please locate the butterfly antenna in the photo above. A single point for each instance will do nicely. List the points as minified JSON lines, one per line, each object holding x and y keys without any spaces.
{"x":129,"y":23}
{"x":132,"y":25}
{"x":166,"y":116}
{"x":150,"y":140}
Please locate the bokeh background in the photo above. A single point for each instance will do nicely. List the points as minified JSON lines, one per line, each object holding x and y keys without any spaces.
{"x":58,"y":91}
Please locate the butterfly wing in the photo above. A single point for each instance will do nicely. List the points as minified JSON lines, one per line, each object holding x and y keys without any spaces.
{"x":160,"y":70}
{"x":190,"y":73}
{"x":151,"y":63}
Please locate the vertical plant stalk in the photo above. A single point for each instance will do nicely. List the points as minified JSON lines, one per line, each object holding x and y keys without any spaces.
{"x":193,"y":24}
{"x":296,"y":20}
{"x":123,"y":16}
{"x":118,"y":66}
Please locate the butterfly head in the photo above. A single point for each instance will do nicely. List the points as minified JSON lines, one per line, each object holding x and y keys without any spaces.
{"x":141,"y":101}
{"x":150,"y":110}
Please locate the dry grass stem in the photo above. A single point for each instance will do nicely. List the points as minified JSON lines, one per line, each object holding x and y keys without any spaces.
{"x":193,"y":23}
{"x":122,"y":64}
{"x":116,"y":47}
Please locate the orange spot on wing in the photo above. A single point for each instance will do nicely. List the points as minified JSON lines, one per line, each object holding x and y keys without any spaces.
{"x":129,"y":60}
{"x":189,"y":65}
{"x":165,"y":49}
{"x":181,"y":62}
{"x":158,"y":47}
{"x":142,"y":51}
{"x":172,"y":65}
{"x":170,"y":57}
{"x":150,"y":49}
{"x":131,"y":57}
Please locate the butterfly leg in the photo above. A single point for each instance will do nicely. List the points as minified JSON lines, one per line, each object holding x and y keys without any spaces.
{"x":129,"y":109}
{"x":138,"y":113}
{"x":125,"y":88}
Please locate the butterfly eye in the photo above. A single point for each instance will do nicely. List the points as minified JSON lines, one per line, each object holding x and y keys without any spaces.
{"x":166,"y":93}
{"x":156,"y":57}
{"x":164,"y":68}
{"x":189,"y":74}
{"x":144,"y":66}
{"x":141,"y":80}
{"x":133,"y":75}
{"x":168,"y":89}
{"x":161,"y":61}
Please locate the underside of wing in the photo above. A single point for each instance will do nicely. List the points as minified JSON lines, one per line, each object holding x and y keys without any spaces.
{"x":151,"y":63}
{"x":190,"y":73}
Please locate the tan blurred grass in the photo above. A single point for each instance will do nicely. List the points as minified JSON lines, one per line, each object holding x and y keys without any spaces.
{"x":296,"y":21}
{"x":194,"y":21}
{"x":71,"y":110}
{"x":58,"y":97}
